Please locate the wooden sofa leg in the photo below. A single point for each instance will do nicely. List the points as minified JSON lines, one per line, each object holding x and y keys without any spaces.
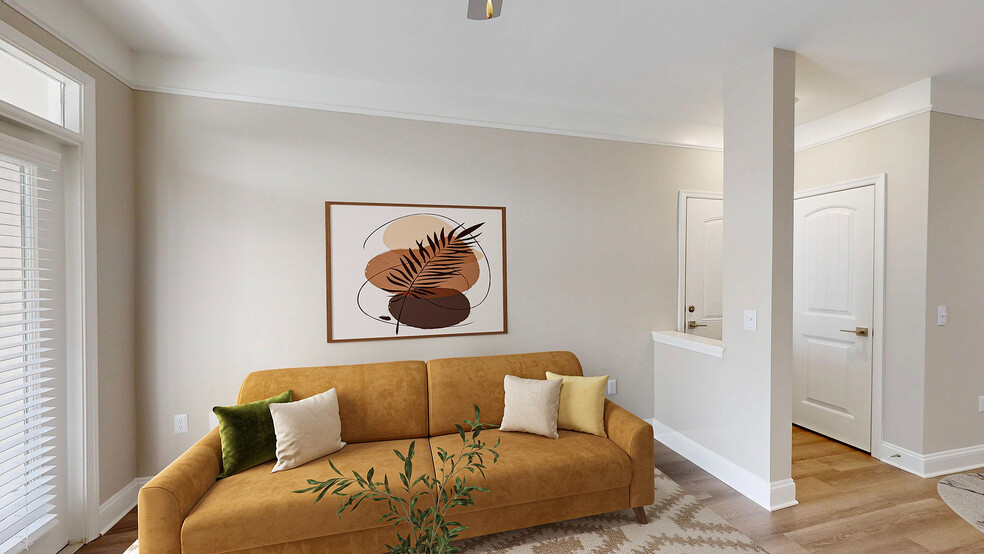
{"x":641,"y":515}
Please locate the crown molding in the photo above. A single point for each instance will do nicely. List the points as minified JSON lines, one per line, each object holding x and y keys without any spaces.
{"x":72,"y":25}
{"x":901,"y":103}
{"x":210,"y":79}
{"x":167,"y":74}
{"x":156,"y":73}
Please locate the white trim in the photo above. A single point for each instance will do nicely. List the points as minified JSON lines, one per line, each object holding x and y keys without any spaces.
{"x":898,"y":104}
{"x":82,"y":347}
{"x":878,"y":307}
{"x":694,"y":343}
{"x":782,"y":494}
{"x":28,"y":152}
{"x":225,"y":81}
{"x":656,"y":139}
{"x":682,"y":198}
{"x":770,"y":495}
{"x":934,"y":464}
{"x":112,"y":510}
{"x":28,"y":119}
{"x":72,"y":25}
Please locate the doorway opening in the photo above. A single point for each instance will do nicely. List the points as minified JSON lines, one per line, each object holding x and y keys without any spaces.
{"x":838,"y":323}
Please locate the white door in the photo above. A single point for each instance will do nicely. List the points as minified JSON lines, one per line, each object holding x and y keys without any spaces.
{"x":833,"y":261}
{"x":704,"y":257}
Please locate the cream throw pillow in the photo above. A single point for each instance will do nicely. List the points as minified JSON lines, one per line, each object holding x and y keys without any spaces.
{"x":306,"y":430}
{"x":531,"y":406}
{"x":582,"y":403}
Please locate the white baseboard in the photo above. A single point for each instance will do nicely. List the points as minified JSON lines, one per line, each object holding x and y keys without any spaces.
{"x":118,"y":505}
{"x":771,"y":496}
{"x":934,"y":464}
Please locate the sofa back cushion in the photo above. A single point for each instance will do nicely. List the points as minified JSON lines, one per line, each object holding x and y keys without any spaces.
{"x":454,"y":385}
{"x":382,"y":401}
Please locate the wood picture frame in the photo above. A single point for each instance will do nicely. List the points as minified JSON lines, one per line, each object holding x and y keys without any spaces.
{"x":397,"y":271}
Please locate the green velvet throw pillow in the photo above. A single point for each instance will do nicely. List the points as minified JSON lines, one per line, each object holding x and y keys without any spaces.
{"x":248,"y":437}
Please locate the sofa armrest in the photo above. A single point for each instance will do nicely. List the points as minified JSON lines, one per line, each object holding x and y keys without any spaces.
{"x":166,"y":500}
{"x":635,"y":437}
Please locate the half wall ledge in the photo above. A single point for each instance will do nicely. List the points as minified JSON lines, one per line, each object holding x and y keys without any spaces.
{"x":702,"y":345}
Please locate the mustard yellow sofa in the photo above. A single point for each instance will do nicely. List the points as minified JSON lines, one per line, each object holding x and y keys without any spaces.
{"x":385,"y":406}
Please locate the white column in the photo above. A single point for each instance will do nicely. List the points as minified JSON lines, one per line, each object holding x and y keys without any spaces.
{"x":758,"y":245}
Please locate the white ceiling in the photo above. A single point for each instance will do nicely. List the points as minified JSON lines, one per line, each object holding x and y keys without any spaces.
{"x":649,"y":61}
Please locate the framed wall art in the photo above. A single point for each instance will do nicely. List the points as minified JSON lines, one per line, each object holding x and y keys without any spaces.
{"x":400,"y":271}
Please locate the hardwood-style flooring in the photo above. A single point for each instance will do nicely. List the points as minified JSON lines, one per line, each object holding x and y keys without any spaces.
{"x":849,"y":502}
{"x":117,"y":539}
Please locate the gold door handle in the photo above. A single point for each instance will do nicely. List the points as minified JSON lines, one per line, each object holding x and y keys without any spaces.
{"x":694,"y":325}
{"x":859,"y":331}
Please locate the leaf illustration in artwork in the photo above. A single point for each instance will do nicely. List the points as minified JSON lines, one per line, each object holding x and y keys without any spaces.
{"x":428,"y":281}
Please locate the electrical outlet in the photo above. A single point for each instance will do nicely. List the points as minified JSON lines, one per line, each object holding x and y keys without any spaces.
{"x":611,"y":386}
{"x":180,"y":423}
{"x":980,"y":404}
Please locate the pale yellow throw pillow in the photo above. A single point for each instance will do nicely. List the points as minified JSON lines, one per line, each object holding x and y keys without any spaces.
{"x":582,"y":403}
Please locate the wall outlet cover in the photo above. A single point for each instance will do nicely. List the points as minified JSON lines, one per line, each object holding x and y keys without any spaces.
{"x":611,"y":386}
{"x":181,"y":423}
{"x":941,"y":315}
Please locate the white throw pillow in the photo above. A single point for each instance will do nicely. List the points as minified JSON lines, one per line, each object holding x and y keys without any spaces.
{"x":306,"y":429}
{"x":531,"y":406}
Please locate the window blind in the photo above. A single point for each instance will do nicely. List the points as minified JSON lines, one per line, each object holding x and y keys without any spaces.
{"x":29,"y":221}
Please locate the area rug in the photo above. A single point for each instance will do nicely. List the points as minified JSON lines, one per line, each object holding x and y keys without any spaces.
{"x":964,"y":494}
{"x":678,"y":524}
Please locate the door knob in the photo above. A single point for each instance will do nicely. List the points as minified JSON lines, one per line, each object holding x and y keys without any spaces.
{"x":859,"y":331}
{"x":694,"y":325}
{"x":691,"y":308}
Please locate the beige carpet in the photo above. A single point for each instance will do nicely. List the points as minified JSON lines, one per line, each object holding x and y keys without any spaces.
{"x":964,"y":494}
{"x":678,"y":524}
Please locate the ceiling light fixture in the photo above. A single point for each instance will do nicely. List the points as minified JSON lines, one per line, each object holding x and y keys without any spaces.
{"x":481,"y":10}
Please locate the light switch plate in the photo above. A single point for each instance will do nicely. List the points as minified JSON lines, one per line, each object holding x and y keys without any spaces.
{"x":751,"y":320}
{"x":941,"y":315}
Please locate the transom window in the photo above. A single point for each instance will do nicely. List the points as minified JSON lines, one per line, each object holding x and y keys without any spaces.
{"x":34,"y":87}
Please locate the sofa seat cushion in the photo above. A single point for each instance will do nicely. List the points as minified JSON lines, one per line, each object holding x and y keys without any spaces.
{"x":256,"y":508}
{"x":532,"y":468}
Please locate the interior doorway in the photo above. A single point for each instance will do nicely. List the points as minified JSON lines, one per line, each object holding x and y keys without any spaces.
{"x":838,"y":258}
{"x":702,"y":255}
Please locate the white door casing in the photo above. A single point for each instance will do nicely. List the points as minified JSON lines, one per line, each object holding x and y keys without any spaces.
{"x":834,"y":272}
{"x":702,"y":306}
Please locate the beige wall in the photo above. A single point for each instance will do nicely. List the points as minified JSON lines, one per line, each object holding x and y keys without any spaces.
{"x":901,"y":150}
{"x":955,"y":278}
{"x":116,"y":243}
{"x":232,"y":246}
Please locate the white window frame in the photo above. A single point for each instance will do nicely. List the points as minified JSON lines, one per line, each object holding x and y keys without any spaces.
{"x":81,"y":294}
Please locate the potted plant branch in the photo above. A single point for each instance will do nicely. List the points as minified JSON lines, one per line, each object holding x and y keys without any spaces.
{"x":424,"y":509}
